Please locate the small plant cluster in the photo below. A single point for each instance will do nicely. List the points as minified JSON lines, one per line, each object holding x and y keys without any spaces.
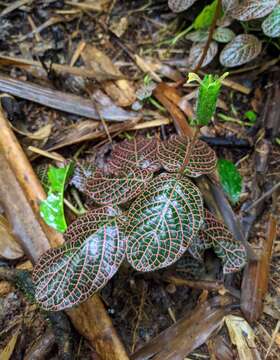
{"x":147,"y":211}
{"x":239,"y":49}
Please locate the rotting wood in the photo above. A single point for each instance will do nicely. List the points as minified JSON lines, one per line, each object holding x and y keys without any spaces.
{"x":67,"y":102}
{"x":187,"y":334}
{"x":256,"y":276}
{"x":90,"y":318}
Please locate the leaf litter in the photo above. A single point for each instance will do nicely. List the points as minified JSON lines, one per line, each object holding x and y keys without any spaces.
{"x":116,"y":74}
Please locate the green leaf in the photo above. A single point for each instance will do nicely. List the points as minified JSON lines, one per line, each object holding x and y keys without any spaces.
{"x":70,"y":274}
{"x":162,"y":222}
{"x":207,"y":98}
{"x":198,"y":36}
{"x":251,"y":116}
{"x":230,"y":178}
{"x":271,"y":25}
{"x":117,"y":188}
{"x":172,"y":153}
{"x":216,"y":235}
{"x":205,"y":18}
{"x":52,"y":209}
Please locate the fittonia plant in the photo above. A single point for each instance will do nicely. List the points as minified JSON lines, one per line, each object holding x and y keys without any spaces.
{"x":147,"y":212}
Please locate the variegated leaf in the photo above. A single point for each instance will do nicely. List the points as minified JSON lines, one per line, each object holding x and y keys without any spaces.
{"x":229,"y":5}
{"x":172,"y":154}
{"x":242,"y":49}
{"x":216,"y":235}
{"x":83,"y":170}
{"x":271,"y":25}
{"x":162,"y":222}
{"x":42,"y":173}
{"x":180,"y":5}
{"x":67,"y":276}
{"x":196,"y":52}
{"x":117,"y":188}
{"x":198,"y":36}
{"x":139,"y":152}
{"x":253,"y":9}
{"x":223,"y":35}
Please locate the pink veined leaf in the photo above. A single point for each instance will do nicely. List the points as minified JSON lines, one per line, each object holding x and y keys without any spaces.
{"x":139,"y":152}
{"x":242,"y":49}
{"x":214,"y":234}
{"x":253,"y":9}
{"x":171,"y":154}
{"x":117,"y":188}
{"x":180,"y":5}
{"x":162,"y":222}
{"x":196,"y":52}
{"x":70,"y":274}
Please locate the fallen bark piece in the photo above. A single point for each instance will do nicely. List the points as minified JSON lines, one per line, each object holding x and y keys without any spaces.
{"x":256,"y":276}
{"x":220,"y":349}
{"x":22,"y":198}
{"x":193,"y":330}
{"x":67,"y":102}
{"x":243,"y":337}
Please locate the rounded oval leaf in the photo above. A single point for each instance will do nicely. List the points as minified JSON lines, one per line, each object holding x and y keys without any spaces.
{"x":242,"y":49}
{"x":172,"y":153}
{"x":223,"y":35}
{"x":216,"y":235}
{"x":117,"y":188}
{"x":198,"y":36}
{"x":70,"y":274}
{"x":271,"y":25}
{"x":180,"y":5}
{"x":196,"y":52}
{"x":162,"y":222}
{"x":139,"y":152}
{"x":253,"y":9}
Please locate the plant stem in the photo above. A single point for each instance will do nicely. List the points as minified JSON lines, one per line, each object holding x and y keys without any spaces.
{"x":210,"y":35}
{"x":72,"y":208}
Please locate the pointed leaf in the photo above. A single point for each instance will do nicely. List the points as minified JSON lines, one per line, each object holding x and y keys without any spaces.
{"x":231,"y":252}
{"x":117,"y":188}
{"x":67,"y":276}
{"x":253,"y":9}
{"x":52,"y":209}
{"x":83,"y":170}
{"x":206,"y":16}
{"x":223,"y":35}
{"x":162,"y":222}
{"x":271,"y":25}
{"x":172,"y":153}
{"x":230,"y":179}
{"x":180,"y":5}
{"x":196,"y":52}
{"x":139,"y":152}
{"x":242,"y":49}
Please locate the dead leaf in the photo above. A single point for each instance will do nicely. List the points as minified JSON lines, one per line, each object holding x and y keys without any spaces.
{"x":146,"y":67}
{"x":119,"y":27}
{"x":41,"y":134}
{"x":9,"y":348}
{"x":9,"y":247}
{"x":120,"y":90}
{"x":242,"y":336}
